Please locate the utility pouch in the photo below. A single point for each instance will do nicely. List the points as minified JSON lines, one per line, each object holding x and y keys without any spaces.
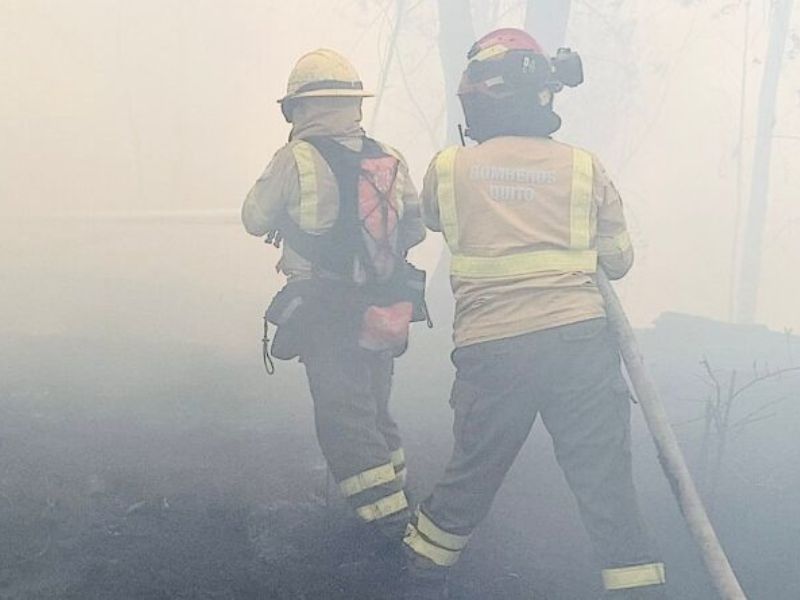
{"x":385,"y":328}
{"x":390,"y":310}
{"x":286,"y":312}
{"x":414,"y":281}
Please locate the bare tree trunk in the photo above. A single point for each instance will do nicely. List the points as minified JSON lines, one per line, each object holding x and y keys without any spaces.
{"x":456,"y":36}
{"x":750,"y":268}
{"x":547,"y":20}
{"x":387,"y":65}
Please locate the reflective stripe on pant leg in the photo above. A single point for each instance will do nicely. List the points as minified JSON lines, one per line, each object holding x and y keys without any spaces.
{"x":367,"y":479}
{"x":422,"y":547}
{"x":385,"y":507}
{"x":624,"y":578}
{"x":346,"y":412}
{"x":434,"y":543}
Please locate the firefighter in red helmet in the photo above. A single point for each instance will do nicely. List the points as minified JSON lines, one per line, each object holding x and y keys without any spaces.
{"x":529,"y":221}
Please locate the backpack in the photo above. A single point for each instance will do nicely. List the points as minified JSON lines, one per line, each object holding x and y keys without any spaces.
{"x":362,"y":248}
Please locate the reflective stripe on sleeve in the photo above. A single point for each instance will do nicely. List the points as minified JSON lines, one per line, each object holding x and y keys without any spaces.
{"x":446,"y":195}
{"x":438,"y":536}
{"x":307,"y":172}
{"x":440,"y":556}
{"x":636,"y":576}
{"x":384,"y":507}
{"x":367,"y":479}
{"x":581,"y":200}
{"x":528,"y":263}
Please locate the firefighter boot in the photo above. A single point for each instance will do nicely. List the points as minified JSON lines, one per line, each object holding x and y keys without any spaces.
{"x":424,"y":580}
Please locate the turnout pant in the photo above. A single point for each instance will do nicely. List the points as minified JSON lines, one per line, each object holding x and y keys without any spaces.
{"x":358,"y":437}
{"x":571,"y":376}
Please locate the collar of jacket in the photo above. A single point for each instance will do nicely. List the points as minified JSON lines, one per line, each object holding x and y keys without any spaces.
{"x":339,"y":118}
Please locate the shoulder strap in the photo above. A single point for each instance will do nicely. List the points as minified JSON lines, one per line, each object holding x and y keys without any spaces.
{"x":335,"y":249}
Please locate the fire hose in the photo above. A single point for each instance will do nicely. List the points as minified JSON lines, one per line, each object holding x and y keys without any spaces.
{"x":669,"y":452}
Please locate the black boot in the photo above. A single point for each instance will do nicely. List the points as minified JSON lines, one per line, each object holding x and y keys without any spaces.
{"x":423,"y":579}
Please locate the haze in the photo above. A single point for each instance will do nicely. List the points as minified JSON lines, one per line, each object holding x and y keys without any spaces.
{"x":130,"y":133}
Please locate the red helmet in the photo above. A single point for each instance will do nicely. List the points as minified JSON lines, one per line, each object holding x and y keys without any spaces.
{"x":503,"y":63}
{"x":502,"y":40}
{"x":509,"y":61}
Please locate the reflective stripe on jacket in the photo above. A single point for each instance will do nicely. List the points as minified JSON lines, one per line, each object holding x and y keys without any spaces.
{"x":526,"y":221}
{"x":299,"y":182}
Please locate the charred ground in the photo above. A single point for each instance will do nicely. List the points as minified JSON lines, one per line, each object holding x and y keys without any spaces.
{"x":130,"y":470}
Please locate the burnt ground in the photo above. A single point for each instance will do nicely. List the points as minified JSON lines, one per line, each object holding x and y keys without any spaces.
{"x":148,"y":471}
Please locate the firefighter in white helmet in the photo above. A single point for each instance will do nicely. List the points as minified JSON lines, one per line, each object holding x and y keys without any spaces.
{"x":528,"y":221}
{"x":347,"y":212}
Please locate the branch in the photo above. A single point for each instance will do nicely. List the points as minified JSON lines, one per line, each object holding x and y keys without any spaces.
{"x":761,"y":378}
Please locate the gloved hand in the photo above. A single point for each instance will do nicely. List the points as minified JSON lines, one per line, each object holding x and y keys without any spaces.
{"x":274,"y":237}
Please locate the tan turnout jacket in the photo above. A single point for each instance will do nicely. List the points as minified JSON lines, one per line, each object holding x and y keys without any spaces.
{"x":299,"y":182}
{"x":527,"y":220}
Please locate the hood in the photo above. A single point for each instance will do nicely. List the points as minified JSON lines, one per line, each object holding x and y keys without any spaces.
{"x":335,"y":117}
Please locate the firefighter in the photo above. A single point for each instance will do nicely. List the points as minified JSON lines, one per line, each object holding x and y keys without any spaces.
{"x":529,"y":221}
{"x":346,"y":211}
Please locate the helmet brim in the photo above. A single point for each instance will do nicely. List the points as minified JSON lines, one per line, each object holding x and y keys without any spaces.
{"x":332,"y":93}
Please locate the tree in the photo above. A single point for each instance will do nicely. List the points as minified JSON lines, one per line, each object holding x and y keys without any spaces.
{"x":750,"y":267}
{"x":547,"y":21}
{"x":456,"y":35}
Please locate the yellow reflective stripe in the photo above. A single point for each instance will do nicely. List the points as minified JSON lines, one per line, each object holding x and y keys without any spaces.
{"x":446,"y":194}
{"x":439,"y":556}
{"x":440,"y":537}
{"x":633,"y":577}
{"x":383,"y":507}
{"x":528,"y":263}
{"x":490,"y":52}
{"x":367,"y":479}
{"x":581,"y":200}
{"x":307,"y":172}
{"x":613,"y":244}
{"x":398,"y":457}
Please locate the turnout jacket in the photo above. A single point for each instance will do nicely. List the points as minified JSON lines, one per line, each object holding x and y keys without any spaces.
{"x":527,"y":221}
{"x":299,"y":182}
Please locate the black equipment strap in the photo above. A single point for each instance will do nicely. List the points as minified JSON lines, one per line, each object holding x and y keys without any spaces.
{"x":336,"y":249}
